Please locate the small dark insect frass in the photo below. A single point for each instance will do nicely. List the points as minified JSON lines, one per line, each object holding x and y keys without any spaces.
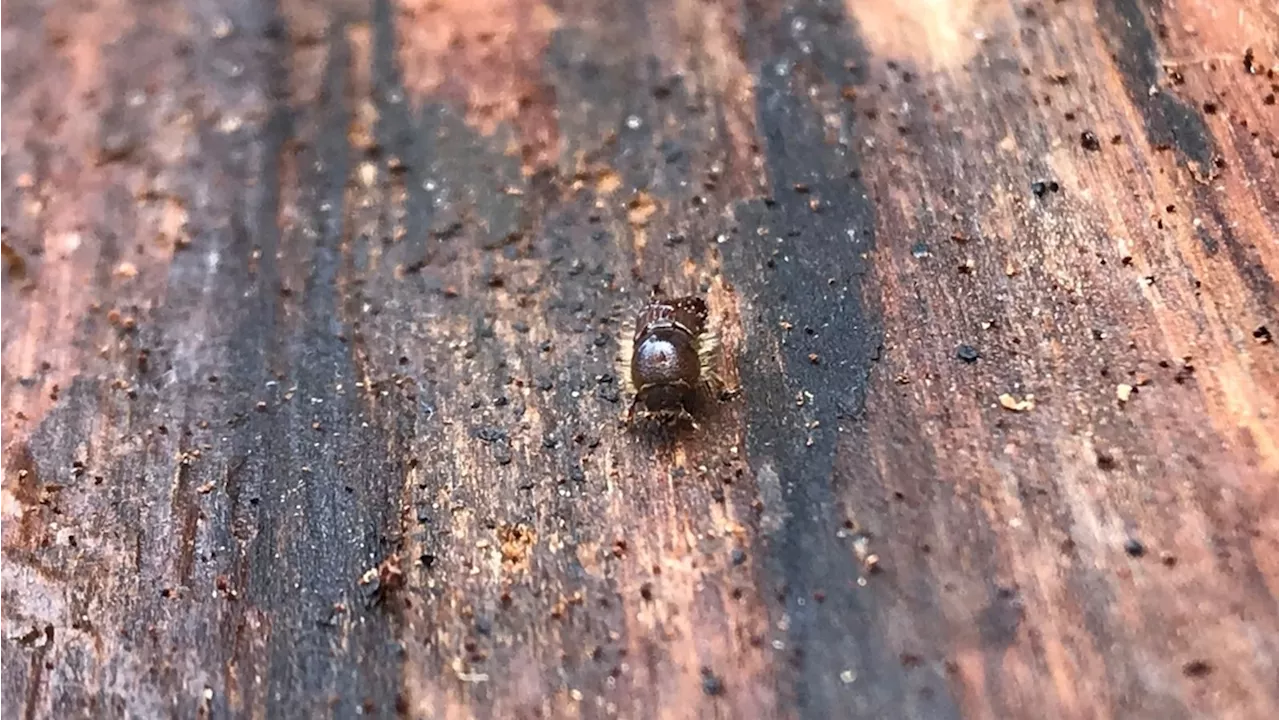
{"x":669,"y":359}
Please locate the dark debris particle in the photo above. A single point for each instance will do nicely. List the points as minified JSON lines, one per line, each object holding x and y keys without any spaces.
{"x":712,"y":685}
{"x":738,"y":556}
{"x":1040,"y":187}
{"x":601,"y":340}
{"x":576,"y":474}
{"x":608,"y":393}
{"x":967,"y":353}
{"x":1249,"y":65}
{"x":1196,"y":669}
{"x":489,"y":433}
{"x":1184,"y":373}
{"x":545,"y":384}
{"x":1134,"y":547}
{"x":1089,"y":141}
{"x":1106,"y":461}
{"x":1262,"y":334}
{"x":646,"y":591}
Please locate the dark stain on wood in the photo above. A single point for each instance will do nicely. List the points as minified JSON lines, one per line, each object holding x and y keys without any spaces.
{"x":1168,"y":120}
{"x":798,"y":267}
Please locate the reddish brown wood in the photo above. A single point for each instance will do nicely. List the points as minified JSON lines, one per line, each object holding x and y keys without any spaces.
{"x":311,"y":309}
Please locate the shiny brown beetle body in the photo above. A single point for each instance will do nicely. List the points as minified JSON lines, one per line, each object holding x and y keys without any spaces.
{"x":669,"y":359}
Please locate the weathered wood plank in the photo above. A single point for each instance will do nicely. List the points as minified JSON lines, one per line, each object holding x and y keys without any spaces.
{"x":295,"y":292}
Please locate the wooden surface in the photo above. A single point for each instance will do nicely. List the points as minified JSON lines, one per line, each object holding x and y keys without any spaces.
{"x":293,"y":292}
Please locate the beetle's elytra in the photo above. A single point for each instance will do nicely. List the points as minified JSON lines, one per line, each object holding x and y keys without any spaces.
{"x":669,"y":360}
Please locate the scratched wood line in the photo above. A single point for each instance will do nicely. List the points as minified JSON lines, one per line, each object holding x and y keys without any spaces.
{"x":310,"y":404}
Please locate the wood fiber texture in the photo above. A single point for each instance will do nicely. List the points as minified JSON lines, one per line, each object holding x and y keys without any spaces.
{"x":311,"y":309}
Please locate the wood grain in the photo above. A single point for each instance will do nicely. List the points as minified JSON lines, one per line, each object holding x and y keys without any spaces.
{"x":311,"y":309}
